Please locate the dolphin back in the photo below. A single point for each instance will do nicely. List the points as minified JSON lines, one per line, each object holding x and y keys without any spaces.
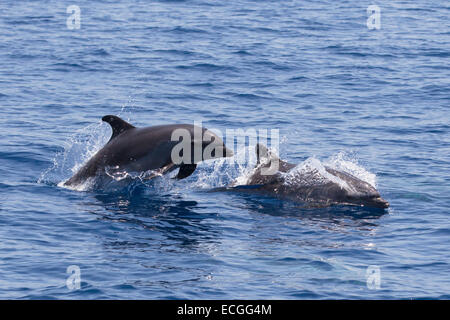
{"x":310,"y":186}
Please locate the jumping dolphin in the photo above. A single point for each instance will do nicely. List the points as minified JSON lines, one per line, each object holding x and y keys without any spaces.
{"x":132,"y":149}
{"x":312,"y":186}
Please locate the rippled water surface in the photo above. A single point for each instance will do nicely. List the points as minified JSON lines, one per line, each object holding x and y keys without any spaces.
{"x":335,"y":90}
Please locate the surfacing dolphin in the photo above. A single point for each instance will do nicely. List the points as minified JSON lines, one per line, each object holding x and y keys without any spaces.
{"x":311,"y":185}
{"x":132,"y":149}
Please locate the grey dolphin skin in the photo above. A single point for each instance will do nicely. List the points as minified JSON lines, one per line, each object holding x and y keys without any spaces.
{"x":310,"y":187}
{"x":132,"y":149}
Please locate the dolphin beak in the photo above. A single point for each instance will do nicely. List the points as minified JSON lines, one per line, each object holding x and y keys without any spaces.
{"x":228,"y":152}
{"x":377,"y":202}
{"x":223,"y":152}
{"x":219,"y":151}
{"x":381,"y":203}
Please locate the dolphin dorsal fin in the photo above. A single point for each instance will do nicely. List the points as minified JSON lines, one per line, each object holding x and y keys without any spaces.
{"x":117,"y":125}
{"x":264,"y":154}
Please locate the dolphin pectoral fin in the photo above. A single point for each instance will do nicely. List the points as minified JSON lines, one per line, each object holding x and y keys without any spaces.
{"x":117,"y":125}
{"x":160,"y":171}
{"x":186,"y":170}
{"x":261,"y":152}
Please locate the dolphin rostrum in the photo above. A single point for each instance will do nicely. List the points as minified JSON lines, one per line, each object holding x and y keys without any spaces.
{"x":132,"y":149}
{"x":322,"y":186}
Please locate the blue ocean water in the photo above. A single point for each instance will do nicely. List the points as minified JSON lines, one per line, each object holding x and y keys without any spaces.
{"x":313,"y":70}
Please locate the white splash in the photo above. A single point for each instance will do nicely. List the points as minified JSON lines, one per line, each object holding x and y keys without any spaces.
{"x":345,"y":162}
{"x":221,"y":172}
{"x":77,"y":150}
{"x":312,"y":172}
{"x":86,"y":185}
